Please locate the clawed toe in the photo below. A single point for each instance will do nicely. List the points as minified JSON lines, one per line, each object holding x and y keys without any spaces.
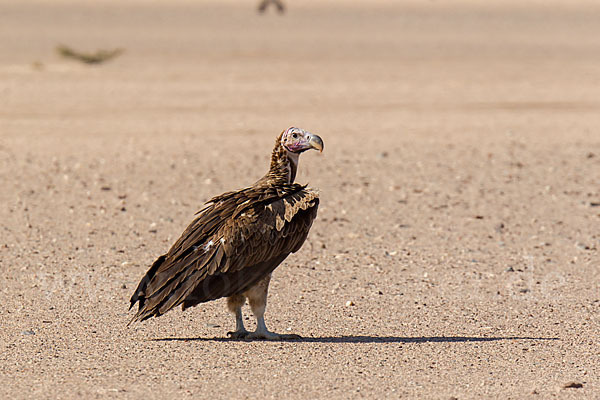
{"x":291,"y":336}
{"x":238,"y":334}
{"x":271,"y":336}
{"x":261,"y":336}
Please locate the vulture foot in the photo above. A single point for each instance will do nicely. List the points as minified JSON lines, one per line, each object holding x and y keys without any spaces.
{"x":262,"y":335}
{"x":239,"y":334}
{"x":266,"y":335}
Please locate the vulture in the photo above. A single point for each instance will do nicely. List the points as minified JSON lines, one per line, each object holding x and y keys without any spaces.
{"x":235,"y":242}
{"x":262,"y":7}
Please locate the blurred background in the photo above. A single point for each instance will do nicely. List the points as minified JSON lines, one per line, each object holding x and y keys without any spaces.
{"x":203,"y":67}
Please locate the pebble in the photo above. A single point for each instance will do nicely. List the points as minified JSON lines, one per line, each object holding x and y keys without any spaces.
{"x":29,"y":332}
{"x":573,"y":385}
{"x":349,"y":303}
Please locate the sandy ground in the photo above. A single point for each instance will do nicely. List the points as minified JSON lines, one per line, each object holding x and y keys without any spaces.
{"x":459,"y":191}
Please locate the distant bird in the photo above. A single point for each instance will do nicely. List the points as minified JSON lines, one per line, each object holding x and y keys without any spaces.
{"x":262,"y":7}
{"x":235,"y":243}
{"x":98,"y":57}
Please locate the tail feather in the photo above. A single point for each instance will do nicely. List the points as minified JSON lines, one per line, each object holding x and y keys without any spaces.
{"x":140,"y":293}
{"x":162,"y":288}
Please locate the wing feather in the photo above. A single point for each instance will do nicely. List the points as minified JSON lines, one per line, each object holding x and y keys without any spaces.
{"x":231,"y":244}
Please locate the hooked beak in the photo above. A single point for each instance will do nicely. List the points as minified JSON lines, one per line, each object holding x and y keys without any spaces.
{"x":315,"y":142}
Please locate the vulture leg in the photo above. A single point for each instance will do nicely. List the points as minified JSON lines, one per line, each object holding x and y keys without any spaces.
{"x":235,"y":303}
{"x":257,"y":298}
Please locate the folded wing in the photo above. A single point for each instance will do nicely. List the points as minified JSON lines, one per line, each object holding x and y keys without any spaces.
{"x":237,"y":239}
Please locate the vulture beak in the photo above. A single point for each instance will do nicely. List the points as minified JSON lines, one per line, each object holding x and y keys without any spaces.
{"x":315,"y":142}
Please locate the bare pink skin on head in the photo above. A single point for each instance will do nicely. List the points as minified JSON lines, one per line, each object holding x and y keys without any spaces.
{"x":298,"y":140}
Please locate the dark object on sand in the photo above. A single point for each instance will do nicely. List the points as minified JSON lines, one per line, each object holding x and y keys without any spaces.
{"x":262,"y":7}
{"x":98,"y":57}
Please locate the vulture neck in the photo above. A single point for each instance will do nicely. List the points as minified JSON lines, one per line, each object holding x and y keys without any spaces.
{"x":284,"y":165}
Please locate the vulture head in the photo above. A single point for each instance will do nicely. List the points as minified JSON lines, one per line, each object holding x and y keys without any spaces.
{"x":297,"y":140}
{"x":284,"y":160}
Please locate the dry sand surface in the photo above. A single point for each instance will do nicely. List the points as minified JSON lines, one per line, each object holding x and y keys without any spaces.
{"x":460,"y":196}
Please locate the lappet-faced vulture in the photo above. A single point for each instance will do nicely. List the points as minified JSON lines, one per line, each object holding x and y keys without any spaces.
{"x":235,"y":242}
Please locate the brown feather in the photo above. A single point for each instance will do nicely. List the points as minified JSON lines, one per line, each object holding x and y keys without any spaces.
{"x":234,"y":241}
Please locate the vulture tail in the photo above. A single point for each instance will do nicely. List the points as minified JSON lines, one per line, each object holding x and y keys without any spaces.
{"x":140,"y":292}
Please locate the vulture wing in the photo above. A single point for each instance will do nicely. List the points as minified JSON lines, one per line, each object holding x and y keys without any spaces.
{"x":237,"y":239}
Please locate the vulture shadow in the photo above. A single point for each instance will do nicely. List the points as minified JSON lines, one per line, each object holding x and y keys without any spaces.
{"x":365,"y":339}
